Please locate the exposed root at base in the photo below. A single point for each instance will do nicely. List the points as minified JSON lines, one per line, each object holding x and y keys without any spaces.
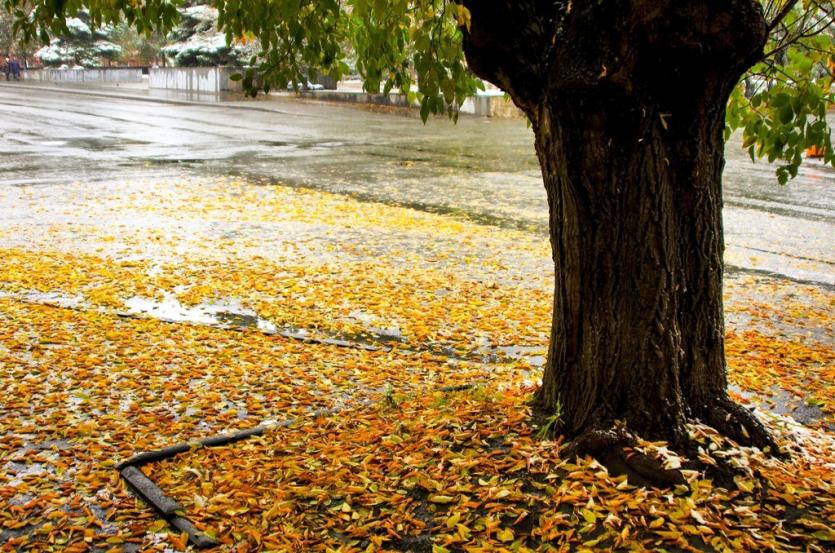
{"x":738,"y":423}
{"x":617,"y":449}
{"x":622,"y":453}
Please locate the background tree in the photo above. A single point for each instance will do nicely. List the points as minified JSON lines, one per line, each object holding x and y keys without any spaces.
{"x":9,"y":43}
{"x":196,"y":40}
{"x":630,"y":102}
{"x":81,"y":44}
{"x":137,"y":48}
{"x":6,"y":37}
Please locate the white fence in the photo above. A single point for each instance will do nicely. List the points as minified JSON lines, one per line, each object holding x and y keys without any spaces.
{"x":212,"y":80}
{"x":97,"y":75}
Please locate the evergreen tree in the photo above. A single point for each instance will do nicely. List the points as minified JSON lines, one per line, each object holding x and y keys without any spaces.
{"x":81,"y":44}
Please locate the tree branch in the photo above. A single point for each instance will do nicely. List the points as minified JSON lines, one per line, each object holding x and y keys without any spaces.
{"x":781,"y":15}
{"x":508,"y":43}
{"x":802,"y":30}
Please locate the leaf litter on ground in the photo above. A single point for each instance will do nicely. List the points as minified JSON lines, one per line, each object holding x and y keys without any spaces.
{"x":403,"y":466}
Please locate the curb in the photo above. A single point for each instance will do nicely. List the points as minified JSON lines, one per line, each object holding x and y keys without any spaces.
{"x":152,"y":99}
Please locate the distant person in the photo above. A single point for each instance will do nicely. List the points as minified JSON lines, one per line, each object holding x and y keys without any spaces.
{"x":7,"y":67}
{"x":14,"y":69}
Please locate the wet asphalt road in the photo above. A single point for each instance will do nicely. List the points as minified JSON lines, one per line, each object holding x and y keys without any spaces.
{"x":484,"y":169}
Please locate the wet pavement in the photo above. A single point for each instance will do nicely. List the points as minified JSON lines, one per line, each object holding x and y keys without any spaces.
{"x":481,"y":169}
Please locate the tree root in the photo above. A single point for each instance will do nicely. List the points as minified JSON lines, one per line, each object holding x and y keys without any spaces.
{"x":738,"y":423}
{"x":615,"y":449}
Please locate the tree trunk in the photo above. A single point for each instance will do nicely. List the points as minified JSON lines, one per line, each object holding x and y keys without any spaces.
{"x":627,"y":101}
{"x":634,"y":194}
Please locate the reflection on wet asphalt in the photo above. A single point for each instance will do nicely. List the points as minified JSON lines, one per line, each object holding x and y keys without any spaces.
{"x":483,"y":169}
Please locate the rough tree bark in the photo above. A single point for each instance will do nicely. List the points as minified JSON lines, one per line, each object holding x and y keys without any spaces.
{"x":627,"y":101}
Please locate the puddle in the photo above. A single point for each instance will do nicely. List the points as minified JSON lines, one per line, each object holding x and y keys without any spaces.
{"x":782,"y":402}
{"x":237,"y":319}
{"x":533,"y":355}
{"x":20,"y":471}
{"x":21,"y":499}
{"x":483,"y":349}
{"x":232,"y":314}
{"x":169,"y":309}
{"x":171,"y":161}
{"x":54,"y":445}
{"x":100,"y":143}
{"x":57,"y":299}
{"x":224,"y":314}
{"x":374,"y":330}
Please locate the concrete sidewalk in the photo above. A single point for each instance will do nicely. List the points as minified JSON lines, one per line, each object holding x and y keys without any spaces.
{"x":485,"y":105}
{"x":140,"y":91}
{"x":269,"y":103}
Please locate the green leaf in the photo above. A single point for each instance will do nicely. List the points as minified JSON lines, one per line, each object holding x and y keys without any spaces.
{"x":424,"y":110}
{"x":786,"y":114}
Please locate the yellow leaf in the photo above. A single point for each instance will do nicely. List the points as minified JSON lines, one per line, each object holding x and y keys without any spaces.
{"x":505,"y":535}
{"x":656,"y":523}
{"x":463,"y":16}
{"x":744,"y":484}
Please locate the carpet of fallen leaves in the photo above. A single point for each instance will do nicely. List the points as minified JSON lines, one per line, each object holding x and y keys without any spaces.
{"x":451,"y":471}
{"x":140,"y":314}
